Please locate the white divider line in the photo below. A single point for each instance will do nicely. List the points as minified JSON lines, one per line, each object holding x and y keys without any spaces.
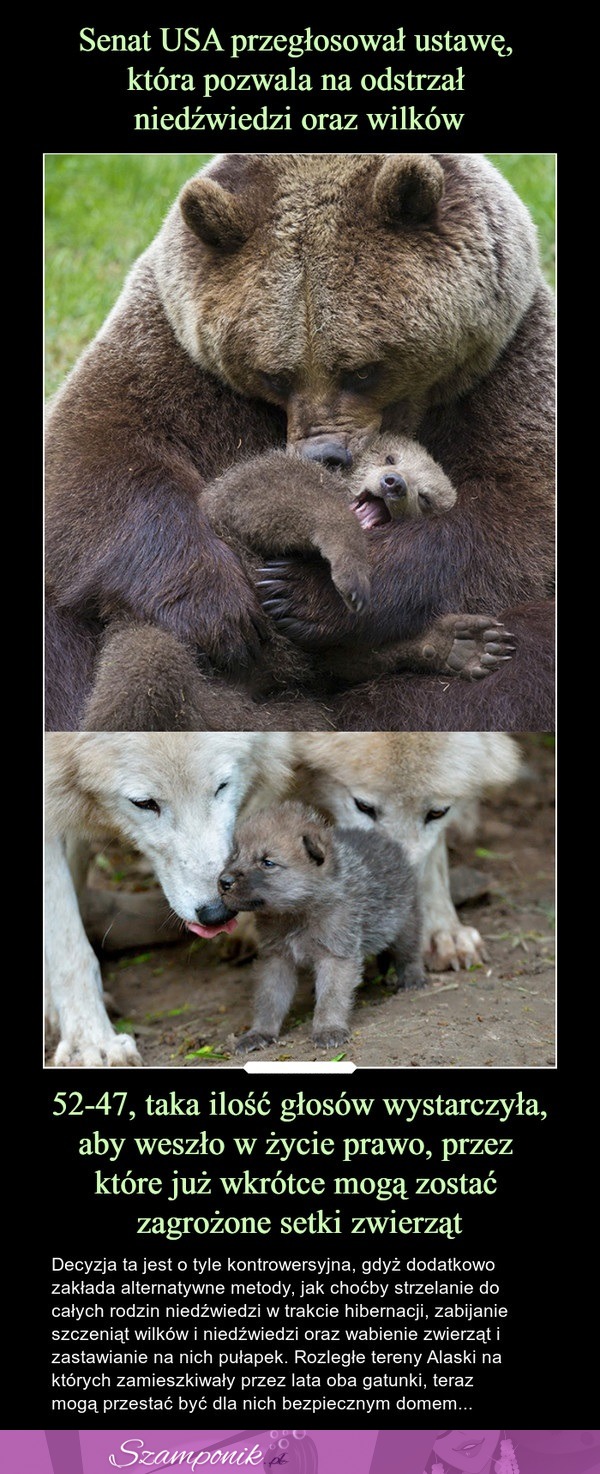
{"x":299,"y":1067}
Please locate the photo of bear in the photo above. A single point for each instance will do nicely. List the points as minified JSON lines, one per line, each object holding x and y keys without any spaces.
{"x":290,"y":310}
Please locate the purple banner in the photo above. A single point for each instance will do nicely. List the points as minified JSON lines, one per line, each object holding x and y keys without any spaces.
{"x":301,"y":1451}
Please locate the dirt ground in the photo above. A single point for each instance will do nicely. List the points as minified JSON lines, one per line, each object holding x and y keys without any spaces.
{"x":185,"y":1001}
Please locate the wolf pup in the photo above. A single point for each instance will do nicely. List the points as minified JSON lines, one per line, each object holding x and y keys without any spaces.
{"x":324,"y":897}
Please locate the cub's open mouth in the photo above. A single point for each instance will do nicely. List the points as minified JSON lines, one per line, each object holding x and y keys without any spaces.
{"x":370,"y":510}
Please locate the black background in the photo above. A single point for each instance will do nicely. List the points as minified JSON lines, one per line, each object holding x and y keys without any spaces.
{"x":536,"y":1228}
{"x":509,"y":103}
{"x":541,"y":1227}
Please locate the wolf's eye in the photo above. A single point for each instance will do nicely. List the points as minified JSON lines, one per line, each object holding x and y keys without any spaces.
{"x":222,"y":785}
{"x":436,"y":814}
{"x":366,"y":808}
{"x":146,"y":803}
{"x":268,"y":864}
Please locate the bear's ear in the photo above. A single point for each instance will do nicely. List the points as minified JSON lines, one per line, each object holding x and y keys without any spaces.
{"x":408,"y":187}
{"x":215,"y":216}
{"x":314,"y":843}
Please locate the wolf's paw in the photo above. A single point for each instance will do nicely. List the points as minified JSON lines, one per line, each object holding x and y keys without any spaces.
{"x":329,"y":1037}
{"x":253,"y":1040}
{"x":453,"y":948}
{"x":412,"y":976}
{"x":114,"y":1050}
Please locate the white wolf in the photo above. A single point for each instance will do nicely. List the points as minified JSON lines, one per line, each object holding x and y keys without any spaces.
{"x":413,"y":786}
{"x":176,"y":797}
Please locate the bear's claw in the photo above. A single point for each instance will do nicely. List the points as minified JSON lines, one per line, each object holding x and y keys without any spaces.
{"x":479,"y":645}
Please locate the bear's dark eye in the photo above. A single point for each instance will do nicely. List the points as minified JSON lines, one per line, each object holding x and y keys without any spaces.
{"x":424,"y":499}
{"x":436,"y":814}
{"x":390,"y":460}
{"x":277,"y":384}
{"x":222,"y":785}
{"x":366,"y":808}
{"x":146,"y":803}
{"x":268,"y":864}
{"x":360,"y":378}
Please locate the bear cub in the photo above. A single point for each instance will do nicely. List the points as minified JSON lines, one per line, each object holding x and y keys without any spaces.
{"x":273,"y":507}
{"x":393,"y":477}
{"x":323,"y":897}
{"x":282,"y":513}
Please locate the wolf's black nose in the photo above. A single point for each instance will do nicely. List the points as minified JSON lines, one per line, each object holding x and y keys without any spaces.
{"x":212,"y":913}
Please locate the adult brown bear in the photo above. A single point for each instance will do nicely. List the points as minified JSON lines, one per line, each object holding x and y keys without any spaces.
{"x":337,"y":295}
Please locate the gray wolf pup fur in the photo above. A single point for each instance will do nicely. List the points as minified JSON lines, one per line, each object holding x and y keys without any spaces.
{"x":322,"y":896}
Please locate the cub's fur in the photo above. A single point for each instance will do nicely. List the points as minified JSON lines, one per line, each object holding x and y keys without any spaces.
{"x":252,"y":511}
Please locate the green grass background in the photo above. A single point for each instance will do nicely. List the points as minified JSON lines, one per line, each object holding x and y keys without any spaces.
{"x":102,"y":210}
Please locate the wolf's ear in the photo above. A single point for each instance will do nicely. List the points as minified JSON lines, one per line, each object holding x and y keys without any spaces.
{"x":314,"y":844}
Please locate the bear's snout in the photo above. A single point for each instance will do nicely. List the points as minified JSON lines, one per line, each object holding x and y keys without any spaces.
{"x":392,"y":484}
{"x":327,"y":449}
